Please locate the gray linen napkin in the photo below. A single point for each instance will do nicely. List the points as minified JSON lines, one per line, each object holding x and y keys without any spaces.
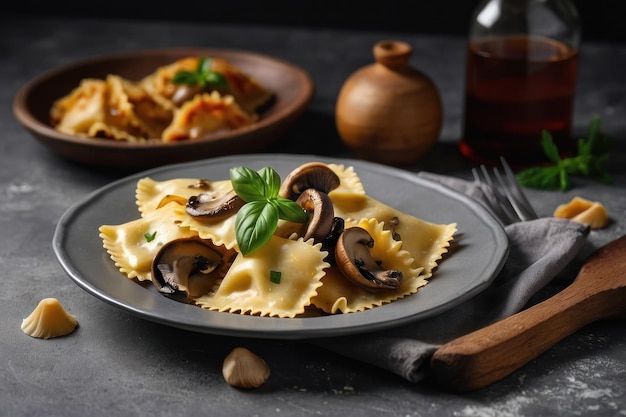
{"x":539,"y":250}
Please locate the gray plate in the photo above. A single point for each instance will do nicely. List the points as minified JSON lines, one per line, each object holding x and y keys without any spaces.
{"x":478,"y":252}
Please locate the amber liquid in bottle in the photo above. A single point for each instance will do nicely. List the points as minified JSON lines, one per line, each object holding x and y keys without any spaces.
{"x":516,"y":87}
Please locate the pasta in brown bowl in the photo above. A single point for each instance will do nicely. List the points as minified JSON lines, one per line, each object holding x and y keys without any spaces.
{"x":352,"y":253}
{"x":184,"y":100}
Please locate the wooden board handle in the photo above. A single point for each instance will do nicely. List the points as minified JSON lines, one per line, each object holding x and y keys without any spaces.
{"x":482,"y":357}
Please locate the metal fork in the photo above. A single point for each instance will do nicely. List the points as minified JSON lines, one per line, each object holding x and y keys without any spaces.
{"x":506,"y":199}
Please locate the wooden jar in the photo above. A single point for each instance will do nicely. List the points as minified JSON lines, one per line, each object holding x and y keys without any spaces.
{"x":389,"y":112}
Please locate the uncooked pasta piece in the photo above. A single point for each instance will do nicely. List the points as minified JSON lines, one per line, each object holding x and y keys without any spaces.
{"x":49,"y":319}
{"x":584,"y":211}
{"x":244,"y":369}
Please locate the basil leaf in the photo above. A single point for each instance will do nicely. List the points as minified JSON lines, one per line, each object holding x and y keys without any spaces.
{"x":248,"y":184}
{"x":584,"y":147}
{"x":204,"y":65}
{"x":549,"y":147}
{"x":255,"y":224}
{"x":290,"y":210}
{"x":215,"y":79}
{"x":543,"y":178}
{"x":185,"y":77}
{"x":597,"y":171}
{"x":257,"y":220}
{"x":271,"y":182}
{"x":592,"y":153}
{"x":202,"y":76}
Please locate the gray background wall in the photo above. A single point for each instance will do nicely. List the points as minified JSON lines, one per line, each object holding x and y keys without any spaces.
{"x":603,"y":20}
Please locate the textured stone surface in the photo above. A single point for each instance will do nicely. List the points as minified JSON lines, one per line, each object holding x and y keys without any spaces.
{"x":117,"y":364}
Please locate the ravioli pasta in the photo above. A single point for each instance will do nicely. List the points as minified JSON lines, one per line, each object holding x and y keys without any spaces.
{"x":311,"y":279}
{"x":247,"y":289}
{"x":128,"y":246}
{"x":156,"y":108}
{"x":339,"y":295}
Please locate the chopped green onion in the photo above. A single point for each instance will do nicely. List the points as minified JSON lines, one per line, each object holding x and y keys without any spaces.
{"x":150,"y":236}
{"x":275,"y":276}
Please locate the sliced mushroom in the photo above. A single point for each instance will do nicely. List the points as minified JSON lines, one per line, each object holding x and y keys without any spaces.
{"x":391,"y":225}
{"x":201,"y":183}
{"x":315,"y":175}
{"x":189,"y":267}
{"x":175,"y":276}
{"x":355,"y":261}
{"x":214,"y":205}
{"x":321,"y":211}
{"x":330,"y":240}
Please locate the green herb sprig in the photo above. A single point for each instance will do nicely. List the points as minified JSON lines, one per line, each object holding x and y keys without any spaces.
{"x":203,"y":76}
{"x":593,"y":151}
{"x":257,"y":220}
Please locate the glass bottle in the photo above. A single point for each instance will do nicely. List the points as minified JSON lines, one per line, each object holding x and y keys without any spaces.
{"x":521,"y":79}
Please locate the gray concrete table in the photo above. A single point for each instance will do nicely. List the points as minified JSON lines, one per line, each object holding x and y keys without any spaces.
{"x":117,"y":364}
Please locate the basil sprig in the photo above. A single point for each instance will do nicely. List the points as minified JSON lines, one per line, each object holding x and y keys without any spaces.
{"x":257,"y":220}
{"x":593,"y":151}
{"x":202,"y":76}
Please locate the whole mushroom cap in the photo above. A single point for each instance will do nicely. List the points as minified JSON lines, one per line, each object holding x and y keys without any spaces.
{"x":316,"y":175}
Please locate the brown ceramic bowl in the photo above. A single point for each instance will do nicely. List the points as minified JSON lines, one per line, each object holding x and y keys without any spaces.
{"x":292,"y":85}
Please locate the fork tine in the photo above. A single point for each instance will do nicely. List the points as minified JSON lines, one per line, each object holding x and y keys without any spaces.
{"x":509,"y":195}
{"x":502,"y":198}
{"x":506,"y":199}
{"x":496,"y":201}
{"x":524,"y":205}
